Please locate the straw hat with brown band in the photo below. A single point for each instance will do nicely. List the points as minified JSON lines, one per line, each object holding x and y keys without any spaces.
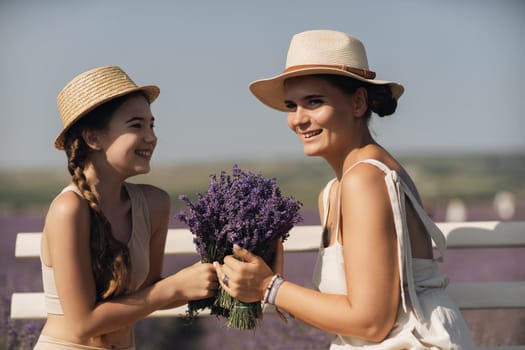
{"x":320,"y":52}
{"x":93,"y":88}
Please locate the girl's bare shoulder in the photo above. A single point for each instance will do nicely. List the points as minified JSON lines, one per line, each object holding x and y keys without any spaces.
{"x":68,"y":205}
{"x":67,"y":221}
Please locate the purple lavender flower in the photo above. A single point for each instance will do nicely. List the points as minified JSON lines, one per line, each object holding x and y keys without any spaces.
{"x":246,"y":209}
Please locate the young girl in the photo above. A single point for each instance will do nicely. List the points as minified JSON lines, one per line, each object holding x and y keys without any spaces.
{"x":103,"y":241}
{"x":378,"y":284}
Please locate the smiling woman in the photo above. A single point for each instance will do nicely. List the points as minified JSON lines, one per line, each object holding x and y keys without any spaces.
{"x":323,"y":98}
{"x":377,"y":283}
{"x":103,"y":239}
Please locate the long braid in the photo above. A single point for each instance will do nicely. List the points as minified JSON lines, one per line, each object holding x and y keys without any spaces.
{"x":110,"y":260}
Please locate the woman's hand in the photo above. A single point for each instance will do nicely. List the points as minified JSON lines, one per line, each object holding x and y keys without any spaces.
{"x":198,"y":281}
{"x":245,"y":279}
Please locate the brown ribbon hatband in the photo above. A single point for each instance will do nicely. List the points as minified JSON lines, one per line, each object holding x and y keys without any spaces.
{"x":365,"y":73}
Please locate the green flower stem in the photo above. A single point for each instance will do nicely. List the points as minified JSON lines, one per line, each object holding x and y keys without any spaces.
{"x":244,"y":316}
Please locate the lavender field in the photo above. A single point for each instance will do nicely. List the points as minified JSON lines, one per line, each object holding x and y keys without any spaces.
{"x":470,"y":180}
{"x":489,"y":327}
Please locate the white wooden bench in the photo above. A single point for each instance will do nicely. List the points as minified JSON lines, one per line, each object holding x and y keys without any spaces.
{"x":468,"y":295}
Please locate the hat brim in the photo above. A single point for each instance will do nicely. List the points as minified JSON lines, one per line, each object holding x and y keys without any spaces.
{"x":271,"y":91}
{"x":151,"y":92}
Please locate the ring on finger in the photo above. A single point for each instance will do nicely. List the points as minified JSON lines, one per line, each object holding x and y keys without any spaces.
{"x":225,"y":280}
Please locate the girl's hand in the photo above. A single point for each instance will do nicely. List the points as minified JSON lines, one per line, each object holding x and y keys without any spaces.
{"x":245,"y":279}
{"x":198,"y":281}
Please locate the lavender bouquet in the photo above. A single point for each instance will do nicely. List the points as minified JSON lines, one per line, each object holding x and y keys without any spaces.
{"x":244,"y":209}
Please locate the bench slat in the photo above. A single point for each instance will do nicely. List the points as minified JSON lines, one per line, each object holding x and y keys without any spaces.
{"x":478,"y":234}
{"x":468,"y":295}
{"x":27,"y":245}
{"x":32,"y":306}
{"x":28,"y":306}
{"x":484,"y":234}
{"x":488,"y":295}
{"x":475,"y":295}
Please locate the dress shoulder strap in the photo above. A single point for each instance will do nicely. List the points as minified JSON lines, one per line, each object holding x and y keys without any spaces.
{"x":371,"y":161}
{"x":70,"y":188}
{"x":374,"y":162}
{"x":140,"y":213}
{"x":326,"y":201}
{"x":139,"y":204}
{"x":139,"y":242}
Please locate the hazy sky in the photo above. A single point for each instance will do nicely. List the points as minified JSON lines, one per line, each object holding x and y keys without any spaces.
{"x":461,"y":62}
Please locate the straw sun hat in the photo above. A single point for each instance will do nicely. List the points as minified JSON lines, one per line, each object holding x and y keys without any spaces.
{"x":320,"y":52}
{"x":93,"y":88}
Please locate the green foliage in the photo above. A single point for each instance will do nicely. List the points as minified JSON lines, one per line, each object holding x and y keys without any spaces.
{"x":438,"y":178}
{"x":470,"y":177}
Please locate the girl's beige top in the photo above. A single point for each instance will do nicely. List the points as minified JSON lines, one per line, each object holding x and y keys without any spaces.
{"x":138,"y":246}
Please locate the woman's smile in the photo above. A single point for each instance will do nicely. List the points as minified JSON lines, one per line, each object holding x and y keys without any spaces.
{"x":307,"y":135}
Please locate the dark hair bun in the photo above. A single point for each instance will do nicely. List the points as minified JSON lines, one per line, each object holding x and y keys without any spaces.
{"x":381,"y":101}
